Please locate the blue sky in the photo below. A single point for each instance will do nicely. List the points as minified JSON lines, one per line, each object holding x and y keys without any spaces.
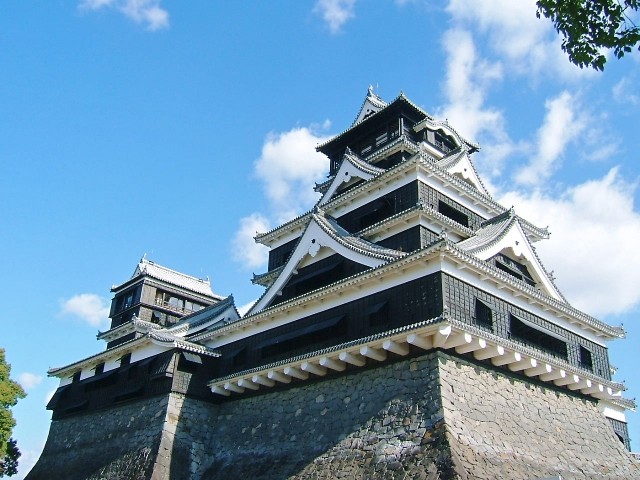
{"x":179,"y":129}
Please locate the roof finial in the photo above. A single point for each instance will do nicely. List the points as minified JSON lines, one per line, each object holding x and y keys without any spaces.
{"x":370,"y":90}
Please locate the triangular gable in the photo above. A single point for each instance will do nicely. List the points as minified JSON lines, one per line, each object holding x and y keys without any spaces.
{"x":351,"y":168}
{"x":459,"y":164}
{"x":505,"y":234}
{"x":372,"y":104}
{"x":322,"y":235}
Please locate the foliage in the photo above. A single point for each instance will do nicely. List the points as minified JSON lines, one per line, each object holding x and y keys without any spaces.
{"x":9,"y":465}
{"x":10,"y":392}
{"x":591,"y":27}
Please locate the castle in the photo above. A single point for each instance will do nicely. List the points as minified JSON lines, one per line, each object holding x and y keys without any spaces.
{"x":407,"y":329}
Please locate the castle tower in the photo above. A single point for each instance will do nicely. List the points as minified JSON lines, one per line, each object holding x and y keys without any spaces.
{"x":154,"y":294}
{"x":408,"y":329}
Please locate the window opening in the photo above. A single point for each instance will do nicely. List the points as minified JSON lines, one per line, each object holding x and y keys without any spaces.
{"x":453,"y":213}
{"x":519,"y":330}
{"x":484,"y":315}
{"x":586,"y":359}
{"x":99,"y":368}
{"x":125,"y":360}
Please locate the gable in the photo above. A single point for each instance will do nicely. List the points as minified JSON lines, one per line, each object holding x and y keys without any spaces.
{"x":352,"y":170}
{"x":321,"y":240}
{"x":512,"y":244}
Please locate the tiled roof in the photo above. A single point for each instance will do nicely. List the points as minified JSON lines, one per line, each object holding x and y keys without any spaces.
{"x":335,"y":231}
{"x":399,"y":98}
{"x":490,"y":232}
{"x":192,"y":321}
{"x":361,"y":164}
{"x":436,"y":124}
{"x":173,"y":277}
{"x":151,"y":336}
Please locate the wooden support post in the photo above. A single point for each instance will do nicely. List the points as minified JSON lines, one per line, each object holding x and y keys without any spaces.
{"x":457,"y":340}
{"x":569,"y":378}
{"x":489,"y":352}
{"x":333,"y":364}
{"x":580,"y":384}
{"x":553,"y":375}
{"x":313,"y":368}
{"x":246,"y":383}
{"x":441,"y":336}
{"x":353,"y":359}
{"x":523,"y":364}
{"x":423,"y":342}
{"x":476,"y":344}
{"x":509,"y":357}
{"x":220,"y":391}
{"x":233,"y":387}
{"x":541,"y":369}
{"x":395,"y":347}
{"x":278,"y":376}
{"x":262,"y":380}
{"x":296,"y":373}
{"x":373,"y":353}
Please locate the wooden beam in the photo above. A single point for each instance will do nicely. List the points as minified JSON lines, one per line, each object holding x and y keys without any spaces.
{"x":333,"y":364}
{"x":246,"y":383}
{"x":220,"y":391}
{"x":594,"y":388}
{"x":423,"y":342}
{"x":489,"y":352}
{"x":606,"y":393}
{"x":569,"y":378}
{"x":262,"y":380}
{"x":373,"y":353}
{"x":476,"y":344}
{"x":541,"y":369}
{"x":395,"y":347}
{"x":509,"y":357}
{"x":456,"y":340}
{"x":353,"y":359}
{"x":296,"y":373}
{"x":313,"y":368}
{"x":553,"y":375}
{"x":580,"y":384}
{"x":278,"y":376}
{"x":441,"y":336}
{"x":233,"y":387}
{"x":523,"y":364}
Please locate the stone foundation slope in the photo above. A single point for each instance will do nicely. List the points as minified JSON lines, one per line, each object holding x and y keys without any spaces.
{"x":431,"y":417}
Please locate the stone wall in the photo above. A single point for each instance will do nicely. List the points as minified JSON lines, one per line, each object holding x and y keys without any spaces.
{"x":120,"y":442}
{"x":505,"y":428}
{"x":430,"y":417}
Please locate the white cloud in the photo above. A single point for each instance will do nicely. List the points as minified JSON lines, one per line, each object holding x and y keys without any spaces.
{"x":288,"y":167}
{"x":625,"y":92}
{"x":593,"y":244}
{"x":242,"y":310}
{"x":89,"y":307}
{"x":29,"y":380}
{"x":562,"y":124}
{"x":515,"y":34}
{"x":335,"y":13}
{"x":467,"y":82}
{"x":244,"y":249}
{"x":147,"y":12}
